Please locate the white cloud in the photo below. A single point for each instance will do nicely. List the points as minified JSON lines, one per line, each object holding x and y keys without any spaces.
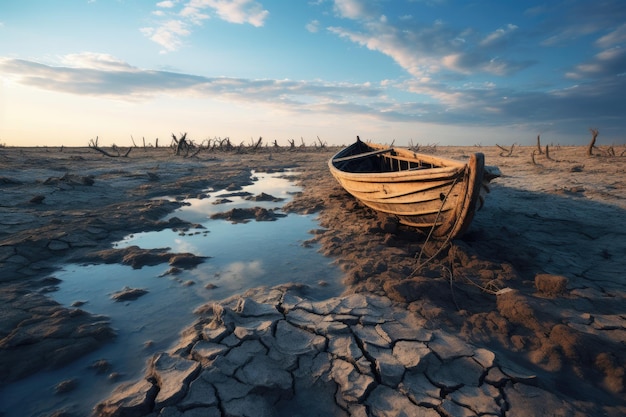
{"x":193,"y":12}
{"x":497,"y":67}
{"x":386,"y":39}
{"x":499,"y":35}
{"x":313,"y":26}
{"x":168,"y":35}
{"x":103,"y":75}
{"x":606,"y":63}
{"x":436,"y":93}
{"x":613,"y":38}
{"x":452,"y":61}
{"x":95,"y":60}
{"x":238,"y":11}
{"x":426,"y":49}
{"x":469,"y":103}
{"x":167,"y":4}
{"x":351,"y":9}
{"x":610,"y":54}
{"x":170,"y":32}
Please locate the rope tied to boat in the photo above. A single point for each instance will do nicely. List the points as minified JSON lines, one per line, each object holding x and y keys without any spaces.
{"x":448,"y":238}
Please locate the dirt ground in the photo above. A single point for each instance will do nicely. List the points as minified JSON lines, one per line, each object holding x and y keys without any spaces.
{"x":540,"y":276}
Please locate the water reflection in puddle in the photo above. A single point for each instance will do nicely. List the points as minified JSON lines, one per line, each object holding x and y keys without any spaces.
{"x":241,"y":256}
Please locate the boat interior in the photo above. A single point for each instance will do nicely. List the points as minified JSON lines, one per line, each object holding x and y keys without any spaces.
{"x":363,"y":159}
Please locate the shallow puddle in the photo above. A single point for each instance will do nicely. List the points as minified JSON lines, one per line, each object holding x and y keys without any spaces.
{"x":241,"y":256}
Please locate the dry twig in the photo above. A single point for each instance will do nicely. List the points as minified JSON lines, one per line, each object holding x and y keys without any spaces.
{"x":94,"y":145}
{"x":258,"y":143}
{"x":506,"y":152}
{"x":532,"y":155}
{"x":594,"y":136}
{"x":182,"y":144}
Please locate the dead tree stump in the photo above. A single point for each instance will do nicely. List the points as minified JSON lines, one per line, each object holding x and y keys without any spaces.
{"x":594,"y":135}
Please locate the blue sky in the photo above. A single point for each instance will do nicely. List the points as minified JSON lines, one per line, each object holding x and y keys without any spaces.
{"x":441,"y":72}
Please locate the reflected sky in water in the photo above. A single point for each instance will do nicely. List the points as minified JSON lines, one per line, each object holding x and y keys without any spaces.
{"x":240,"y":256}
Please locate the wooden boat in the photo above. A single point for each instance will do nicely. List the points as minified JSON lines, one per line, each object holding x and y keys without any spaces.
{"x":438,"y":196}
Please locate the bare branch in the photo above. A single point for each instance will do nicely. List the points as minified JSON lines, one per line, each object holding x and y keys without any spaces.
{"x":258,"y":143}
{"x":539,"y":145}
{"x":182,"y":144}
{"x":594,"y":136}
{"x":506,"y":152}
{"x":94,"y":145}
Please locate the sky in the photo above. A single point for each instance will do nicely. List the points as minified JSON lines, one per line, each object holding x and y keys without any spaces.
{"x":411,"y":72}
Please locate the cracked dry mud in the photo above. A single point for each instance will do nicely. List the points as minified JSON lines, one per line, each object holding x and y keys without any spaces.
{"x":523,"y":316}
{"x":271,"y":352}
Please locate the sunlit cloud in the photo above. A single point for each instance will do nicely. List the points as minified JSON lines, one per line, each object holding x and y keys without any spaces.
{"x":102,"y":75}
{"x":375,"y":61}
{"x":615,"y":37}
{"x":169,"y":35}
{"x":168,"y":4}
{"x":193,"y":12}
{"x":427,"y":49}
{"x":389,"y":42}
{"x":499,"y":36}
{"x":178,"y":23}
{"x":608,"y":63}
{"x":238,"y":11}
{"x":97,"y":61}
{"x":353,"y":9}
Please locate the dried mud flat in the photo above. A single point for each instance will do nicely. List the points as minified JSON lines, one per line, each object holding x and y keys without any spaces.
{"x":526,"y":315}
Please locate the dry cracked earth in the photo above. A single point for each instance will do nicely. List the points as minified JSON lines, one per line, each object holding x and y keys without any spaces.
{"x":273,"y":353}
{"x":523,"y":316}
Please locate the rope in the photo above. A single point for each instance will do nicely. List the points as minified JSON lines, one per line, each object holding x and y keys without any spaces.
{"x":432,"y":229}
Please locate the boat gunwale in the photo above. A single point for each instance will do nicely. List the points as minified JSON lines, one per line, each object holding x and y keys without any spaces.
{"x":446,"y":168}
{"x":441,"y":162}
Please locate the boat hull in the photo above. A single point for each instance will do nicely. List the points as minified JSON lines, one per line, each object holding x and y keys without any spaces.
{"x":438,"y":196}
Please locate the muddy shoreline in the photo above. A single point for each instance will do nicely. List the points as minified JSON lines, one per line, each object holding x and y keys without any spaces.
{"x":539,"y":277}
{"x":68,"y":205}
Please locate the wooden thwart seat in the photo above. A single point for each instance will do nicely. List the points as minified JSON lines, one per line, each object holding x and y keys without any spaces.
{"x":362,"y":155}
